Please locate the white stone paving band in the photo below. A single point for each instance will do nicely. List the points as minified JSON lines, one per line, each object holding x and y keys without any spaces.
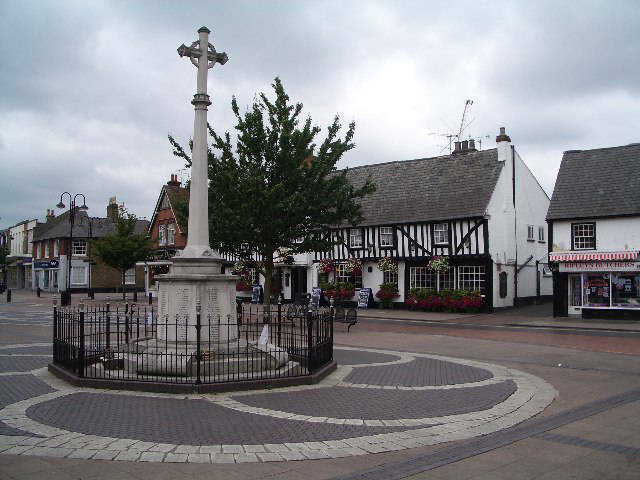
{"x":531,"y":397}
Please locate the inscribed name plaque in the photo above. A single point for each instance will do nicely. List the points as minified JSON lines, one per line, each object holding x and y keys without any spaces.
{"x":162,"y":313}
{"x":184,"y":301}
{"x":213,"y":314}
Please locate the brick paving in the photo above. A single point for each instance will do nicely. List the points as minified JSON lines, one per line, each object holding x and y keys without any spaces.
{"x":340,"y":402}
{"x":14,"y":388}
{"x":180,"y":421}
{"x":359,"y":357}
{"x":420,"y":372}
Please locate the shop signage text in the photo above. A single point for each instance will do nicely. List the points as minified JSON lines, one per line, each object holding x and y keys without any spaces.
{"x":599,"y":266}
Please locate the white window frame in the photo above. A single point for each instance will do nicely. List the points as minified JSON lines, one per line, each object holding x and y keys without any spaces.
{"x":130,"y":276}
{"x":541,"y":234}
{"x":75,"y":269}
{"x":449,"y":275}
{"x":530,"y":232}
{"x":583,"y":239}
{"x":441,"y":233}
{"x":162,"y":235}
{"x":171,"y":234}
{"x":355,"y":238}
{"x":46,"y":249}
{"x":56,"y":248}
{"x":79,"y":248}
{"x":386,"y":237}
{"x":475,"y":274}
{"x":418,"y":278}
{"x":390,"y":277}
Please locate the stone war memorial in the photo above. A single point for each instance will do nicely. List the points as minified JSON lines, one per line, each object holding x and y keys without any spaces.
{"x":197,"y":338}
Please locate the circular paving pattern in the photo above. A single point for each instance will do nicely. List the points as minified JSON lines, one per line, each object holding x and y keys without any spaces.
{"x":376,"y":401}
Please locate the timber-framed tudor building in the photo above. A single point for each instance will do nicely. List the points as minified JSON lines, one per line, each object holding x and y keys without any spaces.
{"x":482,"y":210}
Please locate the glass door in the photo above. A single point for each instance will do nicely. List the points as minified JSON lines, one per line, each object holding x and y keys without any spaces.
{"x":575,"y":294}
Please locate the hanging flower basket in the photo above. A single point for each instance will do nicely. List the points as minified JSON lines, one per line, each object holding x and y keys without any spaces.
{"x":386,"y":264}
{"x":439,"y":264}
{"x":239,"y":267}
{"x":354,"y":266}
{"x":326,"y":265}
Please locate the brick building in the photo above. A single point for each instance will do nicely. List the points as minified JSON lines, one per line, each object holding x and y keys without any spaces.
{"x":52,"y":252}
{"x":167,"y":230}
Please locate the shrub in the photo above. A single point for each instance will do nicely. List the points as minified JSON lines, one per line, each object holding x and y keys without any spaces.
{"x":445,"y":300}
{"x":386,"y":294}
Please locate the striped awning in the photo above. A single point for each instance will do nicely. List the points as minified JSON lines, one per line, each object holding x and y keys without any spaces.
{"x":592,"y":256}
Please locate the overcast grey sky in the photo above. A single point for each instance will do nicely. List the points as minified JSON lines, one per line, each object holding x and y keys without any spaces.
{"x":90,"y":90}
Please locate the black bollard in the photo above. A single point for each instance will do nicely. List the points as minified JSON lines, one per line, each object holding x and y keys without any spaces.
{"x":135,"y":296}
{"x":8,"y":295}
{"x":150,"y":298}
{"x":38,"y":291}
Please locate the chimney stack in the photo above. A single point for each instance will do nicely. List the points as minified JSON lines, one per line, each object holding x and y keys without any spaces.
{"x":50,"y":215}
{"x":503,"y":137}
{"x":472,"y":145}
{"x":174,"y":181}
{"x":112,"y":209}
{"x":456,"y":149}
{"x":465,"y":146}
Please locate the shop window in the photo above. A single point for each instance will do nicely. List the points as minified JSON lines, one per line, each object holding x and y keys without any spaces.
{"x":583,"y":236}
{"x":79,"y":248}
{"x":45,"y":279}
{"x":355,"y":238}
{"x":441,"y":233}
{"x":78,"y":275}
{"x":55,"y":279}
{"x":130,"y":276}
{"x":171,"y":234}
{"x":471,"y":278}
{"x":625,"y":288}
{"x":386,"y":237}
{"x":596,"y":290}
{"x":422,"y":277}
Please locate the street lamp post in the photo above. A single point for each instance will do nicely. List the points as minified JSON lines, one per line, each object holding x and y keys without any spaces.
{"x":66,"y":298}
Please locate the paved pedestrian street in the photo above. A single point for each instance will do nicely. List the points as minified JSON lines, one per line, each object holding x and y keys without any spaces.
{"x":402,"y":404}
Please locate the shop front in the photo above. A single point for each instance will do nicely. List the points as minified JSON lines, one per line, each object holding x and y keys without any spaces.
{"x":46,"y":275}
{"x":599,"y":284}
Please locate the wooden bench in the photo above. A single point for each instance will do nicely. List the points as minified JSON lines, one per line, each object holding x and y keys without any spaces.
{"x":348,"y":317}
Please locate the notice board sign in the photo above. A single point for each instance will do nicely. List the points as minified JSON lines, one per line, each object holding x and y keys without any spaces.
{"x":365,"y":298}
{"x":316,"y":296}
{"x":256,"y":294}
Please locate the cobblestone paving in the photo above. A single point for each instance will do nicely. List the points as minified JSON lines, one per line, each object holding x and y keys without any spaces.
{"x":389,"y":404}
{"x":448,"y":400}
{"x":359,"y":357}
{"x":20,"y":363}
{"x":421,"y":372}
{"x":192,"y":422}
{"x":14,"y":388}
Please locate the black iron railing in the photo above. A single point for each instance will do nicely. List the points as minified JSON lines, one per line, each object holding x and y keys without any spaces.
{"x":131,"y":343}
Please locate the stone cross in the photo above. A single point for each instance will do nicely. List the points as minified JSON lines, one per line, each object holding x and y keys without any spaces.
{"x":204,"y":56}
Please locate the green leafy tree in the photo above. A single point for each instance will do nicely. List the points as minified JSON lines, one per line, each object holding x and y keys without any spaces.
{"x":276,"y":192}
{"x":123,"y":248}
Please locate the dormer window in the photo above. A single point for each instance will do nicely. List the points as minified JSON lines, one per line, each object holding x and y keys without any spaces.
{"x":583,"y":236}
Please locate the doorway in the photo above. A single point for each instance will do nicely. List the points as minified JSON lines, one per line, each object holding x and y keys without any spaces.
{"x":575,"y":294}
{"x":298,"y":284}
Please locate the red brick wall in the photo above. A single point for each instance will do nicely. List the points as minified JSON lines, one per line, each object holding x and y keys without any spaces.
{"x":165,"y":217}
